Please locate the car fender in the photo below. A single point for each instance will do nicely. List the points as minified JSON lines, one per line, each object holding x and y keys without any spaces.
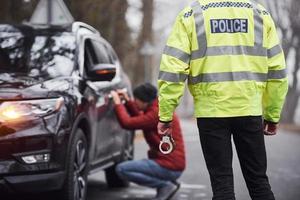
{"x":82,"y":122}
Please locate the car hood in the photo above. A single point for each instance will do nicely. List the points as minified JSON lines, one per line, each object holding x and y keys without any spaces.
{"x":23,"y":87}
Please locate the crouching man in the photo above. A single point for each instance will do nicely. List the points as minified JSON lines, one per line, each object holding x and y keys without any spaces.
{"x":159,"y":171}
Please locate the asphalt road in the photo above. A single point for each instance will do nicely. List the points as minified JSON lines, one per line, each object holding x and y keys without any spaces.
{"x":283,"y":169}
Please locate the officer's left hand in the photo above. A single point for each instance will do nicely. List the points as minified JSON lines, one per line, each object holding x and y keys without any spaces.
{"x":270,"y":128}
{"x":164,"y":128}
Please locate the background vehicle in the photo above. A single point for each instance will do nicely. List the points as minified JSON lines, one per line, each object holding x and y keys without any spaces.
{"x":57,"y":123}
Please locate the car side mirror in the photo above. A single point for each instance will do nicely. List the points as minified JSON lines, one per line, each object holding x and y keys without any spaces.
{"x":102,"y":72}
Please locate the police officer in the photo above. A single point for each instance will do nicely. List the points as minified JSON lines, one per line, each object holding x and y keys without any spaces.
{"x":230,"y":55}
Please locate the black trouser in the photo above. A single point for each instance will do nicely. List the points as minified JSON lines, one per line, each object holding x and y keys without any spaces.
{"x":215,"y":137}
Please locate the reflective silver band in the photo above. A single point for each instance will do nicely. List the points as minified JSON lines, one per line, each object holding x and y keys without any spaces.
{"x":200,"y":31}
{"x":230,"y":50}
{"x":172,"y":77}
{"x":274,"y":51}
{"x":227,"y":76}
{"x":237,"y":76}
{"x":258,"y":25}
{"x":177,"y":53}
{"x":277,"y":74}
{"x":203,"y":50}
{"x":217,"y":51}
{"x":223,"y":76}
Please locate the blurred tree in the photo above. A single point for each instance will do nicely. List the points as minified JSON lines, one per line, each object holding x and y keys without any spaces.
{"x":16,"y":11}
{"x":4,"y":11}
{"x":287,"y":17}
{"x":145,"y":36}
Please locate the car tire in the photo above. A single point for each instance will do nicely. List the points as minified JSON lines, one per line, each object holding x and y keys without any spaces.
{"x":112,"y":178}
{"x":75,"y":186}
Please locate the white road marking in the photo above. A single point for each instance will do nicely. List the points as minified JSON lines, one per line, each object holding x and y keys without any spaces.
{"x":200,"y":195}
{"x":143,"y":191}
{"x":192,"y":186}
{"x":184,"y":196}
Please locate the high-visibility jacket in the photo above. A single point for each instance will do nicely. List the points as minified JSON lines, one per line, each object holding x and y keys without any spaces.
{"x":230,"y":55}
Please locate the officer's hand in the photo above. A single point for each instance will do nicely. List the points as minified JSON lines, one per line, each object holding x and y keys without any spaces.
{"x":115,"y":97}
{"x":270,"y":128}
{"x":164,"y":128}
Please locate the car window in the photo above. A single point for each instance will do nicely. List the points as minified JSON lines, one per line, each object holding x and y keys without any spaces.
{"x":90,"y":58}
{"x":101,"y":52}
{"x":96,"y":53}
{"x":112,"y":54}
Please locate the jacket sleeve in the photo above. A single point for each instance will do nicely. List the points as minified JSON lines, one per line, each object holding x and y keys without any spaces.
{"x":174,"y":67}
{"x":277,"y":83}
{"x":142,"y":121}
{"x":132,"y":109}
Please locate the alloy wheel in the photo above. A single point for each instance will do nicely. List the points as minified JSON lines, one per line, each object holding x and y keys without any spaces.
{"x":79,"y":178}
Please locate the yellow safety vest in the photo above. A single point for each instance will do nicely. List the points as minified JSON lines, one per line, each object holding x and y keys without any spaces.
{"x":230,"y":55}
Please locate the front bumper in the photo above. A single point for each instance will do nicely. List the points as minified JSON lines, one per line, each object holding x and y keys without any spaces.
{"x":33,"y":183}
{"x":33,"y":138}
{"x":49,"y":134}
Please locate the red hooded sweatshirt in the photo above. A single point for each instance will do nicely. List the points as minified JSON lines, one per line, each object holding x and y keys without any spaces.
{"x":131,"y":118}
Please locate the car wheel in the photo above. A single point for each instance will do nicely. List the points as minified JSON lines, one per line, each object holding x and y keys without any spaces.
{"x":75,"y":187}
{"x":112,"y":178}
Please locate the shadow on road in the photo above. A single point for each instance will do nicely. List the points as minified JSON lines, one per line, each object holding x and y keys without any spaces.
{"x":98,"y":189}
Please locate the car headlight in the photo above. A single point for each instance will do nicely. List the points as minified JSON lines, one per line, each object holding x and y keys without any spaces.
{"x":11,"y":111}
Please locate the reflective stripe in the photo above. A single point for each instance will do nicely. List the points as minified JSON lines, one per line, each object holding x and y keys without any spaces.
{"x":177,"y":53}
{"x":200,"y":31}
{"x":230,"y":50}
{"x":228,"y":76}
{"x":172,"y":77}
{"x":203,"y":50}
{"x":258,"y":26}
{"x":223,"y":76}
{"x":277,"y":74}
{"x":274,"y":51}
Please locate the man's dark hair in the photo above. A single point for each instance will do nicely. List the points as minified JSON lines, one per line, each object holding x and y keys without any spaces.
{"x":145,"y":92}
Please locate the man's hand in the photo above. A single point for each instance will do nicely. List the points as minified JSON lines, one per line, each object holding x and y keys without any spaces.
{"x":123,"y":94}
{"x":164,"y":128}
{"x":115,"y":97}
{"x":270,"y":128}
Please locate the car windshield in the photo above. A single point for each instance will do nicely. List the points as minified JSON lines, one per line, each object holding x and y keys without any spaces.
{"x":36,"y":53}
